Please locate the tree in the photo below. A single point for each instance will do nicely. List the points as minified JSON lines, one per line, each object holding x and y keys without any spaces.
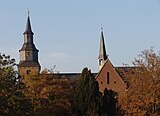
{"x":143,"y":93}
{"x":109,"y":102}
{"x":12,"y":99}
{"x":51,"y":94}
{"x":87,"y":97}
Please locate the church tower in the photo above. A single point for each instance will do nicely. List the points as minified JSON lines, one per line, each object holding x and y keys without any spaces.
{"x":102,"y":52}
{"x":28,"y":64}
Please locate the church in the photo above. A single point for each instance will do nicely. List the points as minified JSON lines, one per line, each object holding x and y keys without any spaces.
{"x":107,"y":76}
{"x":28,"y":53}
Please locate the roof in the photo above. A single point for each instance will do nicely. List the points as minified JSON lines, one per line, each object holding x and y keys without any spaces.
{"x":29,"y":46}
{"x":120,"y":70}
{"x":70,"y":75}
{"x":102,"y":50}
{"x":28,"y":64}
{"x":28,"y":29}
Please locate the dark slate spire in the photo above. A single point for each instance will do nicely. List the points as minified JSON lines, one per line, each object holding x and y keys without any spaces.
{"x":102,"y":50}
{"x":28,"y":26}
{"x":28,"y":37}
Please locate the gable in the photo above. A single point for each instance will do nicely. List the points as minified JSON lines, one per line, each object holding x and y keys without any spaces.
{"x":110,"y":79}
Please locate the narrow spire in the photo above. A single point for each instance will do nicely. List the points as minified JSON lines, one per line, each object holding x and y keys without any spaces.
{"x":28,"y":29}
{"x":102,"y":50}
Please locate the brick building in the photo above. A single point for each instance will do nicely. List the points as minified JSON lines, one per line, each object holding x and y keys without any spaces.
{"x":108,"y":75}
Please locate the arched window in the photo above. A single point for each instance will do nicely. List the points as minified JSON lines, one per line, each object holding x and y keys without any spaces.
{"x":100,"y":62}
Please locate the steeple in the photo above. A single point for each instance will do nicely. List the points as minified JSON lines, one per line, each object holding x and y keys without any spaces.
{"x":28,"y":53}
{"x":102,"y":51}
{"x":28,"y":29}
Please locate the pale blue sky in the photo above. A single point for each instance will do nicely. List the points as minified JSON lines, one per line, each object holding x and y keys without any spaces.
{"x":67,"y":32}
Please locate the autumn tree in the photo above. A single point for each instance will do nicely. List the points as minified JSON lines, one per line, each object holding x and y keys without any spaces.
{"x":12,"y":99}
{"x":50,"y":93}
{"x":143,"y":93}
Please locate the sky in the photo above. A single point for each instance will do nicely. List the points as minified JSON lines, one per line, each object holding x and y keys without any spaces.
{"x":67,"y":32}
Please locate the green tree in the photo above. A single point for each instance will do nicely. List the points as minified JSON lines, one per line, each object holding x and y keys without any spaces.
{"x":12,"y":99}
{"x":109,"y":103}
{"x":87,"y":96}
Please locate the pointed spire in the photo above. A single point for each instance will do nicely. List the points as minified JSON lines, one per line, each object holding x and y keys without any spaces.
{"x":102,"y":50}
{"x":28,"y":29}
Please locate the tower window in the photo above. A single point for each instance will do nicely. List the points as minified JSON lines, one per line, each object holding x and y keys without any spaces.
{"x":28,"y":53}
{"x":28,"y":72}
{"x":108,"y":78}
{"x":100,"y":62}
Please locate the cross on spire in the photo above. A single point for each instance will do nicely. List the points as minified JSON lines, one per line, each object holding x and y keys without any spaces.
{"x":101,"y":27}
{"x":28,"y":12}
